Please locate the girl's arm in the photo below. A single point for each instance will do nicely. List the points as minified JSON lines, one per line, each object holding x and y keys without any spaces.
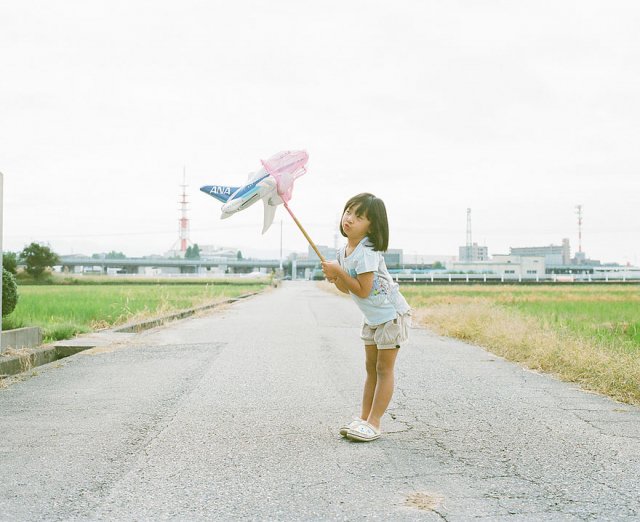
{"x":360,"y":285}
{"x":333,"y":278}
{"x":339,"y":285}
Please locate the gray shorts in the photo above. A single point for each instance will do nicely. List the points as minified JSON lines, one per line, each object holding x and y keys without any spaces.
{"x":389,"y":335}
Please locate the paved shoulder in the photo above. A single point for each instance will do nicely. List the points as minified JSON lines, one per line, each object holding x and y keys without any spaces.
{"x":234,"y":415}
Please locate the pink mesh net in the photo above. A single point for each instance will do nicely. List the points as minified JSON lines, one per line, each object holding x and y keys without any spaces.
{"x":286,"y":167}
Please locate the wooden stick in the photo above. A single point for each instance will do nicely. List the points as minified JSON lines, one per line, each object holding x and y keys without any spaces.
{"x":315,"y":248}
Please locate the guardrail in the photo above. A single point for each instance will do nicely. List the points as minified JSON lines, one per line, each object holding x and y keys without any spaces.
{"x":439,"y":278}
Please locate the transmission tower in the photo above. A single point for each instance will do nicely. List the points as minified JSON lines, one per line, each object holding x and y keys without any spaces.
{"x":469,"y":244}
{"x":183,"y":228}
{"x":579,"y":212}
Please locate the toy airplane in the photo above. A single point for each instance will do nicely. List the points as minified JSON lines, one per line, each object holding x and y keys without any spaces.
{"x":261,"y":185}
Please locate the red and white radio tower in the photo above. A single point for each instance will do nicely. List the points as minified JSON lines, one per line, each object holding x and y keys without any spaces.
{"x":183,"y":231}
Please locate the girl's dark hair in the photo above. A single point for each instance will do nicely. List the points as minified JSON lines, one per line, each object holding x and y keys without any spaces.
{"x":374,"y":210}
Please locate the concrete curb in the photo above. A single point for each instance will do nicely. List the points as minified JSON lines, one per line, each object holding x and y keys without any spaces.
{"x":32,"y":357}
{"x":152,"y":323}
{"x":14,"y":364}
{"x":18,"y":338}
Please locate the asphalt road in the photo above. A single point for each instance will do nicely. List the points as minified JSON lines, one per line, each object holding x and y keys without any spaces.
{"x":235,"y":415}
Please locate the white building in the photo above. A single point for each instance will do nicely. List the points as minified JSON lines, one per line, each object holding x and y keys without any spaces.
{"x":213,"y":251}
{"x":504,"y":265}
{"x":553,"y":254}
{"x":473,"y":252}
{"x":428,"y":259}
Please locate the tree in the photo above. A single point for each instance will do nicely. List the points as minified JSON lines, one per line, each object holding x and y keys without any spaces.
{"x":10,"y":262}
{"x":438,"y":264}
{"x":38,"y":258}
{"x":9,"y":292}
{"x":111,"y":255}
{"x":192,"y":252}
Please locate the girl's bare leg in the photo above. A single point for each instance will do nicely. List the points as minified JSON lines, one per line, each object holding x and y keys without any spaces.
{"x":371,"y":353}
{"x":385,"y":362}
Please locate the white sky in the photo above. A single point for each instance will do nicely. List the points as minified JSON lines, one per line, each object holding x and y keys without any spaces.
{"x":518,"y":110}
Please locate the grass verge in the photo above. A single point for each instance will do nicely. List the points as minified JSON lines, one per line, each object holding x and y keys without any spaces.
{"x":587,"y":334}
{"x":63,"y":311}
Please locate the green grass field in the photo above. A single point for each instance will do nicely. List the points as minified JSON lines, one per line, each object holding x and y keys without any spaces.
{"x":63,"y":311}
{"x":607,"y":313}
{"x":583,"y":333}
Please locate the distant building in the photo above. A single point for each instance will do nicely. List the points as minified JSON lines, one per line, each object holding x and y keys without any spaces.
{"x":212,"y":252}
{"x":393,"y":257}
{"x":428,"y":259}
{"x":621,"y":271}
{"x":173,"y":253}
{"x":569,"y":269}
{"x":207,"y":252}
{"x":467,"y":254}
{"x":581,"y":259}
{"x":553,"y":254}
{"x":328,"y":253}
{"x":504,"y":265}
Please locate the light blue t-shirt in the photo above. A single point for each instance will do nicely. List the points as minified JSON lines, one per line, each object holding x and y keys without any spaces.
{"x":385,"y":300}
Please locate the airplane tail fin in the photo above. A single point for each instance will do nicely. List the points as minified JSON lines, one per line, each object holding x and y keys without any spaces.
{"x":220,"y":192}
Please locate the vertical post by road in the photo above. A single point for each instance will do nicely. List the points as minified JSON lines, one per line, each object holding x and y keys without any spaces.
{"x":1,"y":253}
{"x":280,"y":245}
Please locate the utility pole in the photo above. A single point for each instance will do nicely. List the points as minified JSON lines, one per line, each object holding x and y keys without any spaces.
{"x":579,"y":212}
{"x":281,"y":245}
{"x":469,"y":244}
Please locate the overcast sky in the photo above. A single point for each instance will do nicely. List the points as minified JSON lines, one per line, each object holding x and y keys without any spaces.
{"x":517,"y":110}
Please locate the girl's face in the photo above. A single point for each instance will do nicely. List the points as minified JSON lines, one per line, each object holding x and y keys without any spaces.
{"x":354,"y":226}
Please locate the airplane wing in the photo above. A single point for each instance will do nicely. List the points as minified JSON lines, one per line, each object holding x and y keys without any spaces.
{"x":269,"y":214}
{"x":254,"y":176}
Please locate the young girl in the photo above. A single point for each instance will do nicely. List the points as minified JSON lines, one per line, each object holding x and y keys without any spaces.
{"x":361,"y":272}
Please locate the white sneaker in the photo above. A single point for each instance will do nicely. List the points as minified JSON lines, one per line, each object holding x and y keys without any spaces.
{"x":363,"y":432}
{"x":344,"y":429}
